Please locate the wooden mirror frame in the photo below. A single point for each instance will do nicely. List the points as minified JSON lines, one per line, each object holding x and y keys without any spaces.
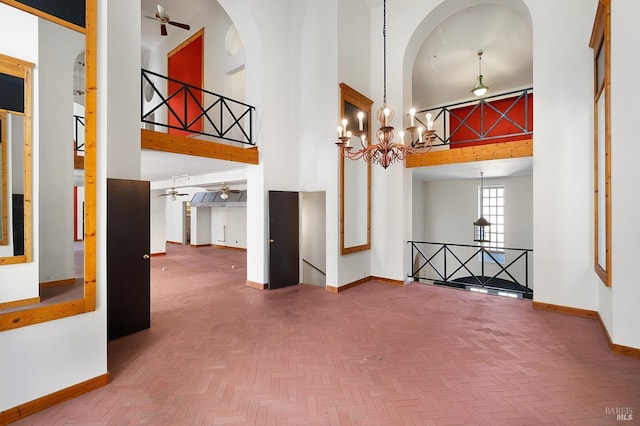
{"x":35,"y":315}
{"x":355,"y":98}
{"x":601,"y":44}
{"x":23,"y":70}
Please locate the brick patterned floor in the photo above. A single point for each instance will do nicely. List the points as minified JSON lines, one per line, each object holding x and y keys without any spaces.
{"x":219,"y":352}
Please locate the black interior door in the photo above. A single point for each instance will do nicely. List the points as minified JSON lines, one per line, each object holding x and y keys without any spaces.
{"x":284,"y":263}
{"x":128,"y":268}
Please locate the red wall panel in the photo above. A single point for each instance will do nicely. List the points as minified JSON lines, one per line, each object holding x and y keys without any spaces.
{"x":465,"y":123}
{"x":186,"y":65}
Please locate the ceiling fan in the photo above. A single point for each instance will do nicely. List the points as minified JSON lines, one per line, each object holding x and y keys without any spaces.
{"x":173,"y":193}
{"x":164,"y":19}
{"x":224,"y":191}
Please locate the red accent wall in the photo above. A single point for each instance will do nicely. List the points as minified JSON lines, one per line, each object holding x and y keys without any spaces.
{"x":186,"y":65}
{"x":464,"y":136}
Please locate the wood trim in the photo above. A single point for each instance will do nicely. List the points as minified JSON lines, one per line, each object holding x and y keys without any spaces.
{"x":4,"y":218}
{"x":256,"y":285}
{"x":78,"y":162}
{"x":564,"y":309}
{"x":601,"y":39}
{"x":177,"y":144}
{"x":36,"y":315}
{"x":164,"y":253}
{"x":67,"y":281}
{"x":200,"y":245}
{"x":352,"y":96}
{"x":387,"y":281}
{"x":28,"y":164}
{"x":90,"y":155}
{"x":229,"y":247}
{"x":185,"y":43}
{"x":615,"y":348}
{"x":12,"y":320}
{"x":342,"y":288}
{"x":44,"y":15}
{"x":177,"y":243}
{"x":515,"y":149}
{"x":23,"y":410}
{"x":18,"y":303}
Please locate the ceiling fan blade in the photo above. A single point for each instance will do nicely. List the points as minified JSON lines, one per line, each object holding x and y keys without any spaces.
{"x":151,"y":17}
{"x":163,"y":29}
{"x":180,"y":25}
{"x":161,"y":13}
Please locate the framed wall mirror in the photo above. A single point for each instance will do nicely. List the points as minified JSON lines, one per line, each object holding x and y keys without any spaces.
{"x":66,"y":41}
{"x":355,"y":177}
{"x":15,"y":153}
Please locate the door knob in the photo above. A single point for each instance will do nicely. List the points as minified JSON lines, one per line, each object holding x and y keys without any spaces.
{"x":272,"y":241}
{"x":146,"y":256}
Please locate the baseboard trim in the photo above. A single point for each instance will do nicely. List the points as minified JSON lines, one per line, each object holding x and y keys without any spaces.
{"x":387,"y":281}
{"x":164,"y":253}
{"x":177,"y":243}
{"x":613,"y":347}
{"x":342,"y":288}
{"x":19,"y":303}
{"x":256,"y":285}
{"x":565,"y":310}
{"x":47,"y":401}
{"x":66,"y":281}
{"x":201,"y":245}
{"x":229,"y":247}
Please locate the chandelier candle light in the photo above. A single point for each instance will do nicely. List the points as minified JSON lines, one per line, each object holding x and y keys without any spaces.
{"x":386,"y":152}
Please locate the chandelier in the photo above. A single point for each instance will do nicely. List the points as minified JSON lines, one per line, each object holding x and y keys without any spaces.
{"x":386,"y":152}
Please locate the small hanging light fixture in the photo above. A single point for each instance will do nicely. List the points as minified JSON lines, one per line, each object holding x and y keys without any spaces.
{"x":481,"y":227}
{"x":480,"y":88}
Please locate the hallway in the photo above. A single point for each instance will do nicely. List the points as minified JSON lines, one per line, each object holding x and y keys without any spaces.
{"x":219,"y":352}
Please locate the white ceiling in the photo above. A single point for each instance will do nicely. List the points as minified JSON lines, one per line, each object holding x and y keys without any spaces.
{"x":444,"y":72}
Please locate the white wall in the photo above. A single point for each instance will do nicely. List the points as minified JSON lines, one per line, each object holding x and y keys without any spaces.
{"x":312,"y":237}
{"x":354,"y":56}
{"x":200,"y":226}
{"x":620,"y":302}
{"x":158,"y":222}
{"x":228,"y":226}
{"x":563,"y":155}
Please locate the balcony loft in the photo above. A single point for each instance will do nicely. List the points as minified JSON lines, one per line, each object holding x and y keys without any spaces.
{"x":495,"y":127}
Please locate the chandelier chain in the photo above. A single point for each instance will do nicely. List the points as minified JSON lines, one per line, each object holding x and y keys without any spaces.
{"x":384,"y":51}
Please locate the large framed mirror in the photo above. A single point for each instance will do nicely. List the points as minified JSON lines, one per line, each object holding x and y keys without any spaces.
{"x":355,"y":177}
{"x":64,"y":89}
{"x":15,"y":153}
{"x":600,"y":43}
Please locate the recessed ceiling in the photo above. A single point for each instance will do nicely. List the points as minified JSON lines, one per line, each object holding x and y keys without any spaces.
{"x":446,"y":65}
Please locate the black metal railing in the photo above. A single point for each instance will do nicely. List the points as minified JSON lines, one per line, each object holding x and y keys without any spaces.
{"x":78,"y":133}
{"x":470,"y":266}
{"x":452,"y":120}
{"x":195,"y":110}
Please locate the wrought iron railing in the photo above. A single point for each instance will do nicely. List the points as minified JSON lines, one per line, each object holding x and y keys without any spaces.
{"x":474,"y":267}
{"x":78,"y":133}
{"x":465,"y":122}
{"x":194,"y":110}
